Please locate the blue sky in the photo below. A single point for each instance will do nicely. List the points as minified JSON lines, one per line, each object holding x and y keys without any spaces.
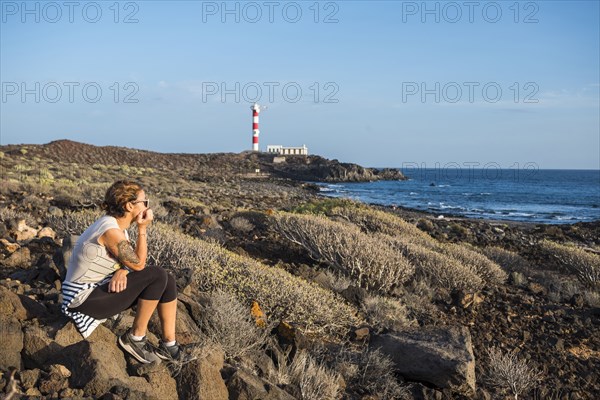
{"x":382,"y":83}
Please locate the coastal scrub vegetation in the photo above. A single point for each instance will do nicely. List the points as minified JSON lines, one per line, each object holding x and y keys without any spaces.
{"x":381,"y":251}
{"x":216,"y":268}
{"x":371,"y":264}
{"x":226,"y":321}
{"x":585,"y":265}
{"x":372,"y":372}
{"x":312,"y":376}
{"x":511,"y":373}
{"x":436,"y":268}
{"x":315,"y":380}
{"x":510,"y":261}
{"x":385,"y":313}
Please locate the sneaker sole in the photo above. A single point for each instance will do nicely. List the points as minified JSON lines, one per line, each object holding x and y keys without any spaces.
{"x":131,"y":351}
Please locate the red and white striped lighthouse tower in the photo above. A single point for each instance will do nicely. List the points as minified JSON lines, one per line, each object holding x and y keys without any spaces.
{"x":255,"y":111}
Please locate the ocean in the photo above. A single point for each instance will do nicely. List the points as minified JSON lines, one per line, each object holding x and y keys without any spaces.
{"x":540,"y":196}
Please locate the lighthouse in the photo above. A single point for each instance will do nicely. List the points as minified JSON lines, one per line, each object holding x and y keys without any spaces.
{"x":255,"y":111}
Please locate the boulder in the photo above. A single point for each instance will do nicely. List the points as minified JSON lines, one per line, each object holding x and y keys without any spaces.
{"x":46,"y":232}
{"x":38,"y":347}
{"x":187,"y":330}
{"x":194,"y":303}
{"x":60,"y":370}
{"x":440,"y":356}
{"x":201,"y":378}
{"x":10,"y":305}
{"x":11,"y":343}
{"x":260,"y":362}
{"x":243,"y":385}
{"x":71,"y":393}
{"x":19,"y":306}
{"x":466,"y":300}
{"x":354,"y":294}
{"x":33,"y":393}
{"x":20,"y":258}
{"x":68,"y":335}
{"x":24,"y":232}
{"x":360,"y":334}
{"x":98,"y":365}
{"x":162,"y":385}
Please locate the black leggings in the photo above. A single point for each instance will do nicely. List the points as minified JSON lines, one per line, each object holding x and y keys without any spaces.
{"x":151,"y":283}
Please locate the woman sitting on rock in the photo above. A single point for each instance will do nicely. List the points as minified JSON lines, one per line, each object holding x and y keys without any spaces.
{"x":106,"y":276}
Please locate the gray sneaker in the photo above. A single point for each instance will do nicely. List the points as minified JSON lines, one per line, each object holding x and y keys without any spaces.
{"x":140,"y":350}
{"x":176,"y":352}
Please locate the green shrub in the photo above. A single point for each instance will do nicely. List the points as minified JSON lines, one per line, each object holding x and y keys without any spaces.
{"x":371,"y":263}
{"x":459,"y":230}
{"x":372,"y":373}
{"x":465,"y":258}
{"x":510,"y":373}
{"x":316,"y":382}
{"x":508,"y":260}
{"x":438,"y":269}
{"x":585,"y":265}
{"x":227,"y":322}
{"x":385,"y":313}
{"x":468,"y":256}
{"x":371,"y":220}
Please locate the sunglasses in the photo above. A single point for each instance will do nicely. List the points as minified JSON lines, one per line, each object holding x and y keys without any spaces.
{"x":146,"y":202}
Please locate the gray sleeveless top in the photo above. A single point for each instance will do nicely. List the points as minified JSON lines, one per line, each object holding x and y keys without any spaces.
{"x":90,"y":261}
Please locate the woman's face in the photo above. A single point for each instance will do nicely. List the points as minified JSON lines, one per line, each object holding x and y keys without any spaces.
{"x":139,"y":205}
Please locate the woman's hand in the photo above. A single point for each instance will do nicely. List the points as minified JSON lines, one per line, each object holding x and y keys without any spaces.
{"x":118,"y":282}
{"x":144,"y":218}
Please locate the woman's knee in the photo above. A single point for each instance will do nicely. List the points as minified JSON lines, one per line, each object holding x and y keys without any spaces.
{"x":154,"y":282}
{"x":156,"y":273}
{"x":170,"y":292}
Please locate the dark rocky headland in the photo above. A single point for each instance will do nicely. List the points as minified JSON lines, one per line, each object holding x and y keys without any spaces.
{"x":288,"y":294}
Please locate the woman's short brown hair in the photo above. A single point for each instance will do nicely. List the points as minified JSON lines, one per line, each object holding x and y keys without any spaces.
{"x":119,"y":194}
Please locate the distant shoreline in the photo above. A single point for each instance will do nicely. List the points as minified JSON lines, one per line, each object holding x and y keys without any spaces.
{"x":415,"y":213}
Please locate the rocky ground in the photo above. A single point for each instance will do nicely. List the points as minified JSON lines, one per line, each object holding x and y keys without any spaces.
{"x":541,"y":313}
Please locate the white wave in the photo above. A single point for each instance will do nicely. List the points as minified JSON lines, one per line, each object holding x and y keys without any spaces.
{"x":443,"y":207}
{"x":521,"y":214}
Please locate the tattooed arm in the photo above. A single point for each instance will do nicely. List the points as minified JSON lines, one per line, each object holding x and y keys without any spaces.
{"x":121,"y":249}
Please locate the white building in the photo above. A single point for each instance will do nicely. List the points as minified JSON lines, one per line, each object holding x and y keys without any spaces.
{"x":287,"y":151}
